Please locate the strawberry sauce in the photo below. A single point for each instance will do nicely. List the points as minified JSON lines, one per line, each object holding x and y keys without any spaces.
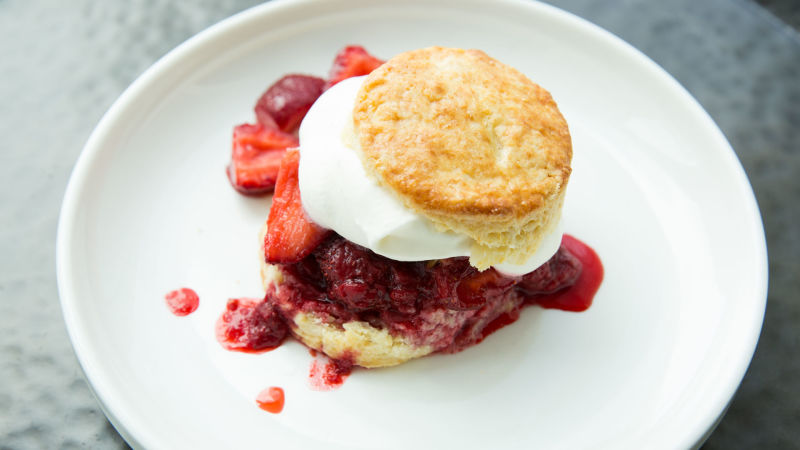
{"x":250,"y":326}
{"x":576,"y":298}
{"x":328,"y":374}
{"x":182,"y":302}
{"x":501,"y":321}
{"x":271,"y":400}
{"x":579,"y":296}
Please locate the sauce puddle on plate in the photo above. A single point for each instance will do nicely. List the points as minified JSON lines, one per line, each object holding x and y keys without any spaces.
{"x":271,"y":399}
{"x":182,"y":302}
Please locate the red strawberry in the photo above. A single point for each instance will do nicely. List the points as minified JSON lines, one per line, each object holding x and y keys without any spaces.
{"x":287,"y":101}
{"x":264,"y":118}
{"x":351,"y":61}
{"x":250,"y":325}
{"x":256,"y":156}
{"x":291,"y":235}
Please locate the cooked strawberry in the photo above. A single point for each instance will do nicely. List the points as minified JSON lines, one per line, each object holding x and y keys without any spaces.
{"x":256,"y":157}
{"x":250,"y":325}
{"x":291,"y":235}
{"x":351,"y":61}
{"x":264,"y":118}
{"x":473,"y":291}
{"x":288,"y":100}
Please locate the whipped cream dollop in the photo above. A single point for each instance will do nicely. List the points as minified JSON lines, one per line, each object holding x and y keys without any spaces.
{"x":338,"y":194}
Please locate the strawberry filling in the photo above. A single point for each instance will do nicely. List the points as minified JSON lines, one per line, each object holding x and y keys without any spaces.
{"x":446,"y":304}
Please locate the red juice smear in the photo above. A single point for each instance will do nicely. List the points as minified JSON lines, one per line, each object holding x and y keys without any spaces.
{"x":502,"y":320}
{"x":328,"y":374}
{"x":182,"y":302}
{"x":579,"y":296}
{"x":271,"y":400}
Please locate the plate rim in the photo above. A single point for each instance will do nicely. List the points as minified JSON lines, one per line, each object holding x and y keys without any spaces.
{"x":135,"y":433}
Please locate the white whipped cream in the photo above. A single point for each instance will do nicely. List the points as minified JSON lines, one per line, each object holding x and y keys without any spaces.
{"x":338,"y":194}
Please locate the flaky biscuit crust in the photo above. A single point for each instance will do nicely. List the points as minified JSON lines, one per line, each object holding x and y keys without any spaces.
{"x":470,"y":143}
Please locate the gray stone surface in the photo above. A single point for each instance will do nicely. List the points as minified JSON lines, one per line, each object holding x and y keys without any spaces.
{"x":62,"y":64}
{"x":787,"y":10}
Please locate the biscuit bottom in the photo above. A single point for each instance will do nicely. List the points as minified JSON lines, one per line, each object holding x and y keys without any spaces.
{"x":362,"y":308}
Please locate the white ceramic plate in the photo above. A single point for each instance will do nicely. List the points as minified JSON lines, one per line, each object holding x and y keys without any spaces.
{"x":656,"y":190}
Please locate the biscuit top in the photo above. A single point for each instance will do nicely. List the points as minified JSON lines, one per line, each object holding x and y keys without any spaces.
{"x":470,"y":143}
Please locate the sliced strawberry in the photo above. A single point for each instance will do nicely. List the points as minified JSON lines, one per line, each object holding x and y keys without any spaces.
{"x":351,"y":61}
{"x":287,"y":101}
{"x":256,"y":157}
{"x":291,"y":235}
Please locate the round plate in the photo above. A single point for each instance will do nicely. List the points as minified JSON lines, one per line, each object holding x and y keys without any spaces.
{"x":656,"y":190}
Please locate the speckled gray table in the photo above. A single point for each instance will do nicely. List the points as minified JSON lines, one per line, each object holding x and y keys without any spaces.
{"x":62,"y":64}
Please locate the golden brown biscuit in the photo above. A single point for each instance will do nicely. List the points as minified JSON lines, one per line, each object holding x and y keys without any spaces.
{"x":470,"y":143}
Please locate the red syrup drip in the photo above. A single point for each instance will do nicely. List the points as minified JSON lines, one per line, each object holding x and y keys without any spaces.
{"x":271,"y":400}
{"x":579,"y":296}
{"x":328,"y":374}
{"x":576,"y":298}
{"x":182,"y":302}
{"x":501,"y":321}
{"x":250,"y":326}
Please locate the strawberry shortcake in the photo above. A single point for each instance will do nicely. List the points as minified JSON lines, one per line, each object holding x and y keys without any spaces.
{"x":420,"y":213}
